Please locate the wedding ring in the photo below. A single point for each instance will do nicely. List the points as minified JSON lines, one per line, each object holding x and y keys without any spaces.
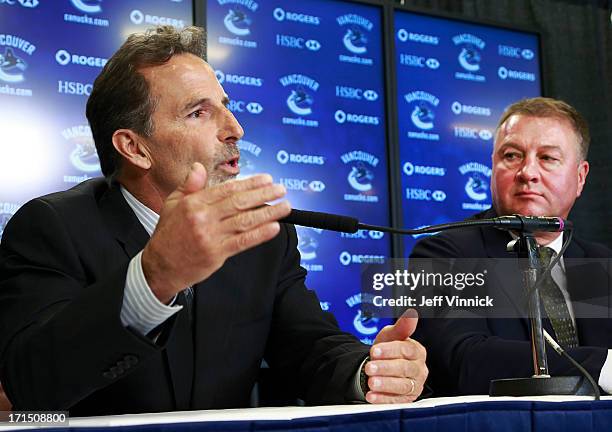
{"x":413,"y":386}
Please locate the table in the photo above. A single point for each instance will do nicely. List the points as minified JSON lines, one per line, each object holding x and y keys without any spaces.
{"x":468,"y":413}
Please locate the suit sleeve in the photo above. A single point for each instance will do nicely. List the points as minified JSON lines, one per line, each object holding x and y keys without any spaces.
{"x":465,"y":354}
{"x":61,"y":337}
{"x":306,"y":347}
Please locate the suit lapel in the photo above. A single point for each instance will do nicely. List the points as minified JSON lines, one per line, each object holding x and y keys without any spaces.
{"x":129,"y":232}
{"x":122,"y":222}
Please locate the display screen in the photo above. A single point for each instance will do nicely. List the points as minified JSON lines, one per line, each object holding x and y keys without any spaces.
{"x":454,"y":80}
{"x":306,"y":81}
{"x":50,"y":55}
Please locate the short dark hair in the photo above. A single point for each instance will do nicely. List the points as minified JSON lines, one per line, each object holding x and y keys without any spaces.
{"x":121,"y":97}
{"x":548,"y":107}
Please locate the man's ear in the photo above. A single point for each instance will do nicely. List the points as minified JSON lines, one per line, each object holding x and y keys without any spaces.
{"x":133,"y":148}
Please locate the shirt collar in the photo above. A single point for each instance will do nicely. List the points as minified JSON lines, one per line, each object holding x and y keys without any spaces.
{"x":147,"y":217}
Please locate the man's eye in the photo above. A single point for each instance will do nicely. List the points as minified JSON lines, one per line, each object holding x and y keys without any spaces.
{"x":549,"y":158}
{"x":196,"y":114}
{"x":511,"y":156}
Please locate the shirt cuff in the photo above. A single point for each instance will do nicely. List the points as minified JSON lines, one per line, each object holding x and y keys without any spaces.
{"x":605,"y":377}
{"x":141,"y":310}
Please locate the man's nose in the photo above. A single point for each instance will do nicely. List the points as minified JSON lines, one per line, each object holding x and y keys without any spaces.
{"x":231,"y":130}
{"x":529,"y":170}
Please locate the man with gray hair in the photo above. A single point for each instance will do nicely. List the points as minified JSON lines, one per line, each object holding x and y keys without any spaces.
{"x":163,"y":286}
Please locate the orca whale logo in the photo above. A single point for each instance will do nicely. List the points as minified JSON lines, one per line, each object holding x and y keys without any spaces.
{"x":422,"y":116}
{"x":360,"y":178}
{"x":10,"y":62}
{"x":84,"y":157}
{"x":364,"y":325}
{"x":355,"y":41}
{"x":300,"y":102}
{"x":307,"y":245}
{"x":237,"y":22}
{"x":469,"y":59}
{"x":476,"y":187}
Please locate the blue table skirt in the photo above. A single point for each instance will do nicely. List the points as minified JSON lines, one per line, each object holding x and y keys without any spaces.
{"x":510,"y":416}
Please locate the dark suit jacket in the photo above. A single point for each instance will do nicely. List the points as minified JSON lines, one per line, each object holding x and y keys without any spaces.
{"x":465,"y":354}
{"x":63,"y":263}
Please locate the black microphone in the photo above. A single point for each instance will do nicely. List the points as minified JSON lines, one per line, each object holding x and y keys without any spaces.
{"x":348,"y":224}
{"x":325,"y":221}
{"x":518,"y":222}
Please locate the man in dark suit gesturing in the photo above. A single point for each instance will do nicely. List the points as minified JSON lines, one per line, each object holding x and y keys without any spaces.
{"x":539,"y":169}
{"x":164,"y":285}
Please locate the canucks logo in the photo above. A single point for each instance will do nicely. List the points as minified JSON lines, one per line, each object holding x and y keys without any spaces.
{"x":237,"y":22}
{"x":307,"y":245}
{"x":84,"y":156}
{"x":423,"y":116}
{"x":471,"y":46}
{"x":355,"y":40}
{"x":87,"y":6}
{"x":476,"y":187}
{"x":11,"y":67}
{"x":300,"y":99}
{"x":360,"y":178}
{"x":300,"y":102}
{"x":363,"y":323}
{"x":469,"y":59}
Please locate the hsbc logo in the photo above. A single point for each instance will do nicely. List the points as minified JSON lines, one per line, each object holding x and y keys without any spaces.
{"x":254,"y":108}
{"x":418,"y":194}
{"x":289,"y":41}
{"x":527,"y":54}
{"x":418,"y":61}
{"x":313,"y":45}
{"x":303,"y":185}
{"x":237,"y":106}
{"x":346,"y":92}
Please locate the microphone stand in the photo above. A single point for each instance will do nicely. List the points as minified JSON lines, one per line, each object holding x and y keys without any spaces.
{"x":541,"y":383}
